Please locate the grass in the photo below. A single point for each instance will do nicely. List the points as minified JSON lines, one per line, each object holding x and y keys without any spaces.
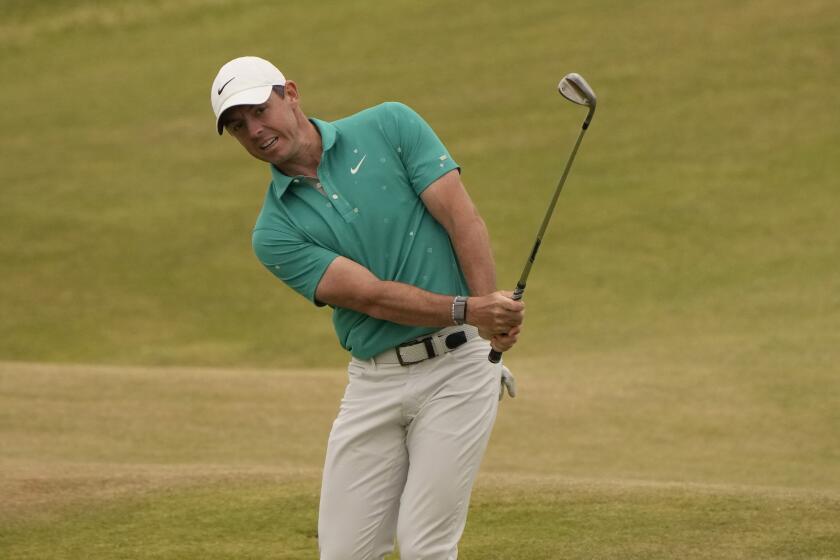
{"x":111,"y":462}
{"x":678,"y":370}
{"x":275,"y":519}
{"x":700,"y":205}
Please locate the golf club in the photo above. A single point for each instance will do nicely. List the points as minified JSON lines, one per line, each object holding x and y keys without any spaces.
{"x":574,"y":88}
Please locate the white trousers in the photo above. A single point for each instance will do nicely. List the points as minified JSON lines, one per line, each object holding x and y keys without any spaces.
{"x":403,"y":454}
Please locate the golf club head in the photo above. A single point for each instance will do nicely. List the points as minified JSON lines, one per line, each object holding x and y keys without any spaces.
{"x":574,"y":88}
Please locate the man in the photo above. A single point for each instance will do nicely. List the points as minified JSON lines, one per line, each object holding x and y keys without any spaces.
{"x":368,"y":215}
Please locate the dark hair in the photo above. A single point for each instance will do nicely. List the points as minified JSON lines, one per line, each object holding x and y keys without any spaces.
{"x":279,"y":90}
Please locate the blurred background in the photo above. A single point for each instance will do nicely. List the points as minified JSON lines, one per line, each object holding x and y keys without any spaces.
{"x":698,"y":216}
{"x":683,"y":316}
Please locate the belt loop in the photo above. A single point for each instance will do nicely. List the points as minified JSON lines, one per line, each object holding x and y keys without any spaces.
{"x":431,"y":348}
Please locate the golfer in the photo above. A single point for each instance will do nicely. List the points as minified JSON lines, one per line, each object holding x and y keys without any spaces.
{"x":368,"y":215}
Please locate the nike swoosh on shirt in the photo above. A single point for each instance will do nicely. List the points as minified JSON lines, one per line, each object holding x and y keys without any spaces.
{"x":225,"y":85}
{"x":354,"y":170}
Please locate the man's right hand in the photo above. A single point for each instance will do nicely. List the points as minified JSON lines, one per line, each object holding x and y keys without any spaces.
{"x":498,"y":318}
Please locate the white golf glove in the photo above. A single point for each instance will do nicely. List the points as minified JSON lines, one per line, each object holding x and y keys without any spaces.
{"x":508,"y":382}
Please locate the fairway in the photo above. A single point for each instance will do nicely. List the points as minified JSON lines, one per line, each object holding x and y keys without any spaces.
{"x":163,"y":396}
{"x":103,"y":462}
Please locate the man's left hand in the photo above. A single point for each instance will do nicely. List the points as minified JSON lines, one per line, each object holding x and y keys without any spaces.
{"x":503,"y":342}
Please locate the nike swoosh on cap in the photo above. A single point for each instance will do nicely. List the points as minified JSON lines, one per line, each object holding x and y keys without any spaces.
{"x":225,"y":85}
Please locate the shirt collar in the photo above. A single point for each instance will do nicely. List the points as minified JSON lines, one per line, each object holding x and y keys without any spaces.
{"x":328,"y":133}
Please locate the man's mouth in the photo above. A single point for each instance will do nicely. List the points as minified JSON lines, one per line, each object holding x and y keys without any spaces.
{"x":268,"y":144}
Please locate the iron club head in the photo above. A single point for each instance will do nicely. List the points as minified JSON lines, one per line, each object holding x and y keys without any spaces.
{"x":574,"y":88}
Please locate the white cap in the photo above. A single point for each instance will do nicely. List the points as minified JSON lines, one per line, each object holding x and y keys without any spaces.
{"x":243,"y":81}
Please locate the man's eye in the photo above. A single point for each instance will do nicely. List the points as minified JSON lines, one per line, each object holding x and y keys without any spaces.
{"x":260,"y":110}
{"x":236,"y":126}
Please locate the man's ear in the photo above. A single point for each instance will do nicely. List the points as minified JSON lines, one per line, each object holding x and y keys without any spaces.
{"x":291,"y":91}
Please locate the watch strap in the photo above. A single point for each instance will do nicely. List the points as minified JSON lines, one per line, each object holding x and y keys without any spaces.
{"x":459,"y":310}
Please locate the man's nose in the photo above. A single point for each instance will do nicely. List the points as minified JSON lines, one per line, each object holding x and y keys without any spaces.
{"x":254,"y":127}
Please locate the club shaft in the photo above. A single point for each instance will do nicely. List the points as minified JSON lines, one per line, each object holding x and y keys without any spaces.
{"x":495,"y":356}
{"x":549,"y":213}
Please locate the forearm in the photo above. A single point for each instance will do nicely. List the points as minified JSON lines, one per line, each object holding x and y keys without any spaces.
{"x":401,"y":303}
{"x":349,"y":285}
{"x":447,"y":200}
{"x":408,"y":305}
{"x":471,"y":242}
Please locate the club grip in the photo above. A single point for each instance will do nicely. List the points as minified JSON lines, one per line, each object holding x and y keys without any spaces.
{"x":495,"y":356}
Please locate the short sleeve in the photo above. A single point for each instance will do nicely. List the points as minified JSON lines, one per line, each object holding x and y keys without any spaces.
{"x":298,"y":262}
{"x":423,"y":155}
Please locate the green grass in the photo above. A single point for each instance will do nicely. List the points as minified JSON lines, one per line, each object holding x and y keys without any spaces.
{"x":678,"y":370}
{"x":261,"y":519}
{"x":700,"y":208}
{"x":105,"y":462}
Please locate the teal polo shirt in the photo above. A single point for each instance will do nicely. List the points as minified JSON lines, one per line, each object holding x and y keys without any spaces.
{"x":374,"y":166}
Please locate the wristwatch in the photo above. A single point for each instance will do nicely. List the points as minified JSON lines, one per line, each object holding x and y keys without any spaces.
{"x":459,"y":310}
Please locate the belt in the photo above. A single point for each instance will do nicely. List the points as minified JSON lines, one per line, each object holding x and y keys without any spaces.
{"x":427,"y":347}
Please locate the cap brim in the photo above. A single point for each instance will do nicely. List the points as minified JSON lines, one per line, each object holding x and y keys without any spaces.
{"x":253,"y":96}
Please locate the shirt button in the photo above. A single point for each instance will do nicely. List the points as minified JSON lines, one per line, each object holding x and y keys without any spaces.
{"x":335,"y":197}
